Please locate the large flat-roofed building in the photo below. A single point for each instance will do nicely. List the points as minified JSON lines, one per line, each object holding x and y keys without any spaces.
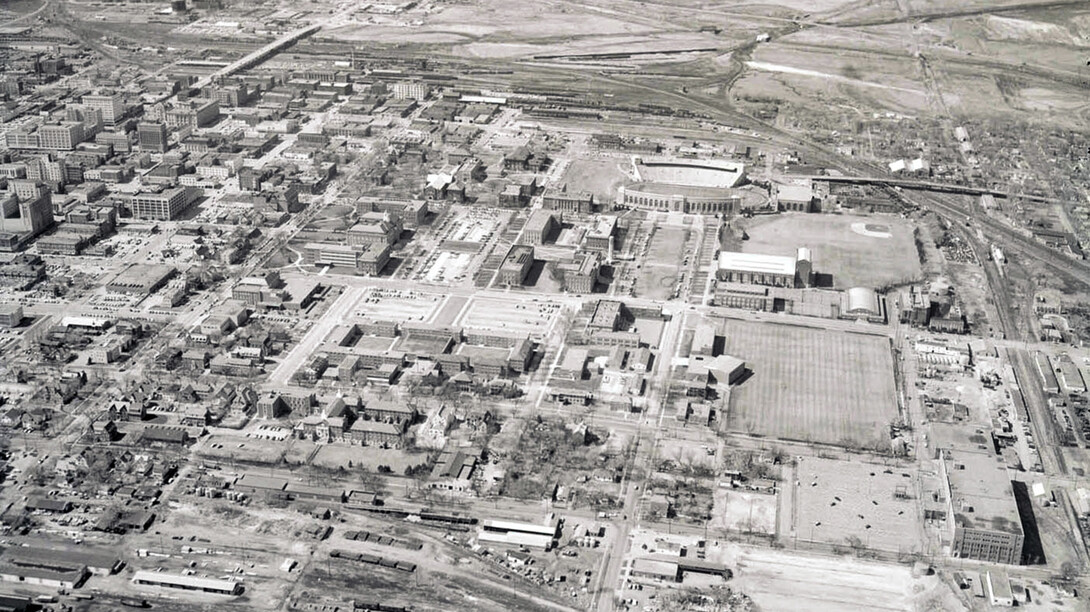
{"x":582,"y":273}
{"x":11,"y":315}
{"x":753,"y":269}
{"x":540,"y":228}
{"x":111,"y":106}
{"x":983,"y":521}
{"x":369,"y":259}
{"x":28,"y":213}
{"x":166,"y":205}
{"x":141,"y":279}
{"x":798,"y":198}
{"x":187,"y":583}
{"x":56,"y":559}
{"x":516,"y":265}
{"x":62,"y":137}
{"x":515,"y":533}
{"x":607,"y":315}
{"x":562,"y":199}
{"x":196,"y":113}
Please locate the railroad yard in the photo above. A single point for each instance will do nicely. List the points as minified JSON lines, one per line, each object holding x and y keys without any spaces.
{"x":619,"y":305}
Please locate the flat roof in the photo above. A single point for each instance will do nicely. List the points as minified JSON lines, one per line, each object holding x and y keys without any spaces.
{"x":34,"y":554}
{"x":605,"y":313}
{"x":519,"y":526}
{"x":761,"y":264}
{"x":657,"y":567}
{"x":981,"y":482}
{"x":194,"y":582}
{"x":261,"y":482}
{"x":516,"y":538}
{"x":795,"y":193}
{"x":574,"y":359}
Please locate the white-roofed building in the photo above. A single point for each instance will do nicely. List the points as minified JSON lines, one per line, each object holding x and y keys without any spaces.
{"x":799,"y":198}
{"x":515,"y":533}
{"x":754,"y":269}
{"x":187,"y":583}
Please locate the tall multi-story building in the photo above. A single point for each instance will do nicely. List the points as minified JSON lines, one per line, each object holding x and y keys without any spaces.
{"x":63,"y":137}
{"x":22,"y":139}
{"x":30,"y":215}
{"x":112,"y":106}
{"x":152,"y":136}
{"x":165,"y":205}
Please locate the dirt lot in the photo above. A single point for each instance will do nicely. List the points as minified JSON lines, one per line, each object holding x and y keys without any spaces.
{"x":849,"y":503}
{"x":598,"y":176}
{"x":743,"y":511}
{"x":810,"y":384}
{"x":852,"y":258}
{"x":780,"y":580}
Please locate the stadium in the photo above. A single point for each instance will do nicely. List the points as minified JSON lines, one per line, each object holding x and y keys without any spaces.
{"x":692,"y":186}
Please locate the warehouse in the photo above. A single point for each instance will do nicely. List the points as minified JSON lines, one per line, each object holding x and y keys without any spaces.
{"x":983,"y":519}
{"x":517,"y":533}
{"x":100,"y":563}
{"x":187,"y":583}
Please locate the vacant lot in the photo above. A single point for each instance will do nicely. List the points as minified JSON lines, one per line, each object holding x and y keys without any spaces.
{"x":811,"y":384}
{"x":600,"y":177}
{"x":853,"y":259}
{"x":857,"y":504}
{"x":744,"y":511}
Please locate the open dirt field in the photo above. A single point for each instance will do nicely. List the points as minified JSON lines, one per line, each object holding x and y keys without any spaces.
{"x":852,"y":258}
{"x":782,"y":581}
{"x":600,"y":177}
{"x":743,"y":511}
{"x":810,"y":384}
{"x":838,"y":500}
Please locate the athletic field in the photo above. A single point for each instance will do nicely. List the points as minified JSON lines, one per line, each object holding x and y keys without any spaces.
{"x":812,"y":384}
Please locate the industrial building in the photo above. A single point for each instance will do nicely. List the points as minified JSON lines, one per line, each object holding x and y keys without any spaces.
{"x":983,"y":521}
{"x":187,"y":583}
{"x":516,"y":533}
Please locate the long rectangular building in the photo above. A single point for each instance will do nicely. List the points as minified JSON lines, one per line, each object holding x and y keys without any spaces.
{"x":754,"y":269}
{"x":187,"y":583}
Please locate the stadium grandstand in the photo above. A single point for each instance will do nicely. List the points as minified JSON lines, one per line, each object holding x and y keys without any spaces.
{"x":683,"y":185}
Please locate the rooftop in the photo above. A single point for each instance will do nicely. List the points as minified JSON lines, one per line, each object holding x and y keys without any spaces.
{"x":761,"y":264}
{"x":981,"y":492}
